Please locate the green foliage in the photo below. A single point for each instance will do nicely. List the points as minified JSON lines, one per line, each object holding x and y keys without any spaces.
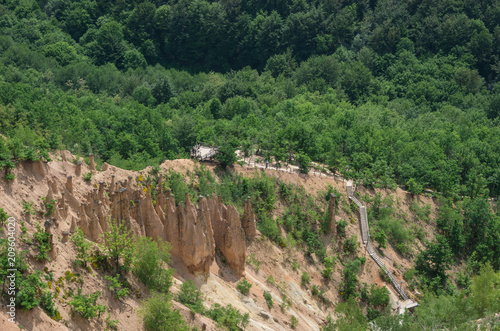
{"x":226,"y":156}
{"x":190,"y":296}
{"x":158,"y":314}
{"x":118,"y":244}
{"x":29,"y":290}
{"x":349,"y":317}
{"x":269,"y":299}
{"x":349,"y":282}
{"x":228,"y":317}
{"x":88,"y":176}
{"x":435,"y":260}
{"x":379,"y":296}
{"x":3,"y":216}
{"x":86,"y":304}
{"x":341,"y":225}
{"x":117,"y":287}
{"x":422,"y":212}
{"x":82,"y":246}
{"x":351,"y":244}
{"x":305,"y":279}
{"x":244,"y":286}
{"x":27,"y":208}
{"x":47,"y":303}
{"x":150,"y":263}
{"x":329,"y":262}
{"x":294,"y":322}
{"x":42,"y":243}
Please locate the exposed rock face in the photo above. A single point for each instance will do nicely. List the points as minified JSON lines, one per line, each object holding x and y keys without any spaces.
{"x":248,"y":221}
{"x":230,"y":237}
{"x":193,"y":231}
{"x":91,"y":162}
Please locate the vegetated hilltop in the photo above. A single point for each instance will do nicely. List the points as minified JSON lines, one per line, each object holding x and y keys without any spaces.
{"x":278,"y":255}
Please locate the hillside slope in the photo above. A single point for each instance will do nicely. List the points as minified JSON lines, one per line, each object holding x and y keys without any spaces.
{"x":269,"y":267}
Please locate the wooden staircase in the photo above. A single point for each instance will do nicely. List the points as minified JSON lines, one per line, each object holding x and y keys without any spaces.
{"x":365,"y":235}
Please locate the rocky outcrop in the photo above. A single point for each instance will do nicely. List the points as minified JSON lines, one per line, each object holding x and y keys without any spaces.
{"x":230,"y":237}
{"x":193,"y":231}
{"x":197,"y":248}
{"x":248,"y":221}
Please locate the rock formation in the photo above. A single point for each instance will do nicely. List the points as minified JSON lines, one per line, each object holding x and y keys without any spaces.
{"x":91,"y":162}
{"x":248,"y":221}
{"x":193,"y":231}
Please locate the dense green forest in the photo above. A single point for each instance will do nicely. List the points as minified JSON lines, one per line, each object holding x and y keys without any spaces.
{"x":386,"y":92}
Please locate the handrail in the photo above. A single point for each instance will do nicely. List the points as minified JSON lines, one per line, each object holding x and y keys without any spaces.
{"x":365,"y":235}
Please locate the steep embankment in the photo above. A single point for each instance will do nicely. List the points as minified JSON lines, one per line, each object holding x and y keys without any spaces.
{"x":213,"y":243}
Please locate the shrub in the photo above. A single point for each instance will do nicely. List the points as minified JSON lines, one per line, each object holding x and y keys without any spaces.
{"x":88,"y":176}
{"x":28,"y":295}
{"x":269,"y":299}
{"x":118,"y":244}
{"x":150,"y":263}
{"x":349,"y":278}
{"x":379,"y":296}
{"x":86,"y":304}
{"x":47,"y":303}
{"x":351,"y":244}
{"x":341,"y":225}
{"x":28,"y":207}
{"x":42,"y":243}
{"x":244,"y":286}
{"x":305,"y":279}
{"x":270,"y":280}
{"x":294,"y":322}
{"x":158,"y":314}
{"x":314,"y":290}
{"x":3,"y":216}
{"x":268,"y":227}
{"x":82,"y":246}
{"x":9,"y":176}
{"x":190,"y":296}
{"x":228,"y":317}
{"x":117,"y":287}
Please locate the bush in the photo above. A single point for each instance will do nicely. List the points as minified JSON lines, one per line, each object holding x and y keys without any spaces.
{"x":42,"y":243}
{"x":341,"y":225}
{"x":3,"y":216}
{"x":228,"y":317}
{"x":118,"y":244}
{"x":305,"y":279}
{"x":294,"y":322}
{"x":150,"y":263}
{"x":190,"y":296}
{"x":244,"y":286}
{"x":117,"y":287}
{"x":82,"y":246}
{"x":88,"y":176}
{"x":86,"y":304}
{"x":47,"y":303}
{"x":158,"y":314}
{"x":269,"y":299}
{"x":351,"y":244}
{"x":379,"y":296}
{"x":28,"y":294}
{"x":349,"y":278}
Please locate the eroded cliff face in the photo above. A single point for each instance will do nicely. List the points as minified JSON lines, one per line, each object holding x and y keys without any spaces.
{"x":195,"y":231}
